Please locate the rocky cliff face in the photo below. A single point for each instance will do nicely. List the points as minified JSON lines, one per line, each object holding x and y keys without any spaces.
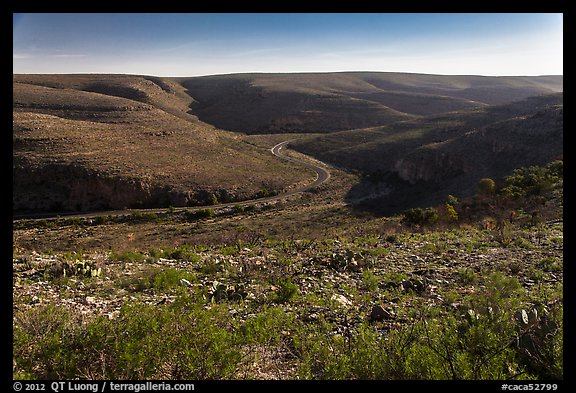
{"x":60,"y":187}
{"x":429,"y":165}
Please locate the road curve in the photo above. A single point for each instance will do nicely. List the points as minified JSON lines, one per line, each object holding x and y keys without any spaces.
{"x":322,"y":175}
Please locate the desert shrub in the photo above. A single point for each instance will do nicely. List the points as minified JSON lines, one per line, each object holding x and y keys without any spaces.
{"x":486,"y":186}
{"x":37,"y":341}
{"x":203,"y":213}
{"x":140,"y":281}
{"x":178,"y":341}
{"x":287,"y":290}
{"x":503,"y":233}
{"x":533,"y":181}
{"x":466,"y":276}
{"x":141,"y":217}
{"x":451,"y":214}
{"x":550,"y":264}
{"x":420,"y":216}
{"x":266,"y":327}
{"x":212,"y":200}
{"x":250,"y":208}
{"x":171,"y":278}
{"x":452,"y":200}
{"x":264,"y":193}
{"x":370,"y":280}
{"x":127,"y":256}
{"x":211,"y":266}
{"x":230,"y":250}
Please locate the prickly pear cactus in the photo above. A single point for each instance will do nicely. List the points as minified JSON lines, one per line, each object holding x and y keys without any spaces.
{"x":80,"y":268}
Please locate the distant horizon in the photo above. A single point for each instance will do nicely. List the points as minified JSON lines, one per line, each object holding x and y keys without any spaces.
{"x":278,"y":73}
{"x":204,"y":44}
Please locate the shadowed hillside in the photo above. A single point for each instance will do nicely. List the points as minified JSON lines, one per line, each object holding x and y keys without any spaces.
{"x":420,"y":162}
{"x":264,"y":103}
{"x":85,"y":142}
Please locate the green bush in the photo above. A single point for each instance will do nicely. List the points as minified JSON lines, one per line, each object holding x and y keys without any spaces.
{"x":171,"y":278}
{"x":179,"y":341}
{"x":486,"y":186}
{"x":533,"y":181}
{"x":265,"y":192}
{"x":286,"y":292}
{"x":230,"y":250}
{"x":204,"y":213}
{"x":127,"y":256}
{"x":266,"y":327}
{"x":420,"y":216}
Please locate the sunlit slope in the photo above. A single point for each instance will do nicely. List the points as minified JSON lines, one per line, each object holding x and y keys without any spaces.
{"x":84,"y":142}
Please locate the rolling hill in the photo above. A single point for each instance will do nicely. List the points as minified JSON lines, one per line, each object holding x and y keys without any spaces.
{"x":89,"y":142}
{"x":419,"y":162}
{"x":278,"y":103}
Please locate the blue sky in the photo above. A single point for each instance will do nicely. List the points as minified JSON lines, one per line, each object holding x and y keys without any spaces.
{"x":205,"y":44}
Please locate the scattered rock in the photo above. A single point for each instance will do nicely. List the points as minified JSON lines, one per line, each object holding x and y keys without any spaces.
{"x":422,"y":272}
{"x":379,"y":313}
{"x":311,"y":317}
{"x":353,"y":265}
{"x":522,"y":316}
{"x":30,"y":272}
{"x":341,"y":299}
{"x":413,"y":284}
{"x":416,"y":259}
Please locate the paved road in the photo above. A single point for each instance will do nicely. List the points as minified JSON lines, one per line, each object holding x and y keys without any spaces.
{"x":322,"y":175}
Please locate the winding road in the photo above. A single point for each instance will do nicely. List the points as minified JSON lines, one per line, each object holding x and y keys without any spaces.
{"x":322,"y":175}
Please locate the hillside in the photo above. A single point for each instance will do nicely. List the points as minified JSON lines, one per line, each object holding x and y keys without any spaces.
{"x":292,"y":291}
{"x":89,"y":142}
{"x":314,"y":287}
{"x":420,"y":162}
{"x":277,"y":103}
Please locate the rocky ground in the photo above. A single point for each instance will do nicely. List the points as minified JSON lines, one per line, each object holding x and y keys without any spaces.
{"x":380,"y":279}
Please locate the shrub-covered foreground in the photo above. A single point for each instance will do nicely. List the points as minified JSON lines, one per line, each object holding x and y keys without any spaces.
{"x":308,"y":313}
{"x":493,"y":339}
{"x":479,"y":298}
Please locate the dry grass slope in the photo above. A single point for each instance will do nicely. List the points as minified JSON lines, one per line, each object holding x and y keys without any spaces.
{"x":131,"y":143}
{"x":264,"y":103}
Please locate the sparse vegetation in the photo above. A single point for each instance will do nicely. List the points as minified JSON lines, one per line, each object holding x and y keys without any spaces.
{"x":468,"y":287}
{"x":224,"y":311}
